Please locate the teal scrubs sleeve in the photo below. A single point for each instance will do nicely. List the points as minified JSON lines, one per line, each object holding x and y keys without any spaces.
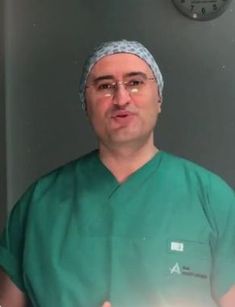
{"x":222,"y":203}
{"x":12,"y":241}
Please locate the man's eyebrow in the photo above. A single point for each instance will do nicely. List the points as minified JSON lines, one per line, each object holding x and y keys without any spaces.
{"x":111,"y":77}
{"x":104,"y":77}
{"x":136,"y":73}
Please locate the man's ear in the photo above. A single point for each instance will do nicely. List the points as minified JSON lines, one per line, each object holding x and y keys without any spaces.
{"x":84,"y":106}
{"x":159,"y":102}
{"x":159,"y":96}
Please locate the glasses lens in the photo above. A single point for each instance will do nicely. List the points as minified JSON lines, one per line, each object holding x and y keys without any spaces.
{"x":135,"y":85}
{"x":105,"y":88}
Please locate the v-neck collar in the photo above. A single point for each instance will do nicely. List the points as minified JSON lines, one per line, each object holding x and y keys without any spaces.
{"x":144,"y":169}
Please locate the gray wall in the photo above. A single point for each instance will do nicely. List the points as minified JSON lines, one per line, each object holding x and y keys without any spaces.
{"x":45,"y":46}
{"x":2,"y":123}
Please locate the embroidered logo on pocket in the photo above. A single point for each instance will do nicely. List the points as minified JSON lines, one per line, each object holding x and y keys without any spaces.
{"x":175,"y":269}
{"x":177,"y":246}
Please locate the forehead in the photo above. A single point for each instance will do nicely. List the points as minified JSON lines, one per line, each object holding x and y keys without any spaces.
{"x":119,"y":65}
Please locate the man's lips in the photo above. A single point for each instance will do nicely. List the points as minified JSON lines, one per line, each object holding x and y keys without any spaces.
{"x":122,"y":118}
{"x":121,"y":114}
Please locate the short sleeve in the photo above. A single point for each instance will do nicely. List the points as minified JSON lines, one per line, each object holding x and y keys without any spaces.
{"x":12,"y":241}
{"x":222,"y":201}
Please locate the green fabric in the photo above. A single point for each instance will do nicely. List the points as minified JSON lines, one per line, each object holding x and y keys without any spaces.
{"x":164,"y":237}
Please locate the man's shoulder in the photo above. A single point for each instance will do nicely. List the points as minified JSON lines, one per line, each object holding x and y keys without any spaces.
{"x":186,"y":164}
{"x":59,"y":182}
{"x":65,"y":174}
{"x":177,"y":162}
{"x":193,"y":171}
{"x":83,"y":162}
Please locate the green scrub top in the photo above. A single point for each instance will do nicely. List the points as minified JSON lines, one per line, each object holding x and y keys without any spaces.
{"x":164,"y":237}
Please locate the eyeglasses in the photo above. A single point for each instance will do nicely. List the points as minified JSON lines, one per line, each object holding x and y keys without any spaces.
{"x":107,"y":88}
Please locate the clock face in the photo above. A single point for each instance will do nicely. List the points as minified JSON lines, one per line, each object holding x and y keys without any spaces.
{"x":201,"y":9}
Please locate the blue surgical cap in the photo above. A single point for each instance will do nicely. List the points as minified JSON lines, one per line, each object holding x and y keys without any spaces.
{"x":114,"y":47}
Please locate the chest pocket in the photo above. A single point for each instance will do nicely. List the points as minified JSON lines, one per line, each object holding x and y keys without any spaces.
{"x":158,"y":271}
{"x":187,"y":271}
{"x":188,"y":260}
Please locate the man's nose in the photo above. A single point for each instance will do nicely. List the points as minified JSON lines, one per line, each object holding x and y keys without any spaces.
{"x":122,"y":96}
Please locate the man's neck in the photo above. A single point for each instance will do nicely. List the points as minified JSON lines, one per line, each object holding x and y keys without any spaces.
{"x":124,"y":161}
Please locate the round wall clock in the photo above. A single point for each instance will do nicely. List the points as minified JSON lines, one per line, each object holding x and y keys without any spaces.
{"x":201,"y":9}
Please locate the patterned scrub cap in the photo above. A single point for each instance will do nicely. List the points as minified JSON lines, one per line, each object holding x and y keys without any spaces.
{"x":114,"y":47}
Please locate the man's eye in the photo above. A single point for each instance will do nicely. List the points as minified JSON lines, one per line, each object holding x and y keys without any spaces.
{"x":135,"y":82}
{"x":105,"y":86}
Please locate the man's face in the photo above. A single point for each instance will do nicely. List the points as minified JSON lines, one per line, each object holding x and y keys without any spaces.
{"x":123,"y":117}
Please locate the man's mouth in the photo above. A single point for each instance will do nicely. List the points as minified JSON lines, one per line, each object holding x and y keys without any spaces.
{"x":121,"y":114}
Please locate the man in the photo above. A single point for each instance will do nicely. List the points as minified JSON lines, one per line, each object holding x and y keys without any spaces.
{"x":127,"y":225}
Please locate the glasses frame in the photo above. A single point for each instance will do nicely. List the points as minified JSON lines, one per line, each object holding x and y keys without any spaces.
{"x":116,"y":84}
